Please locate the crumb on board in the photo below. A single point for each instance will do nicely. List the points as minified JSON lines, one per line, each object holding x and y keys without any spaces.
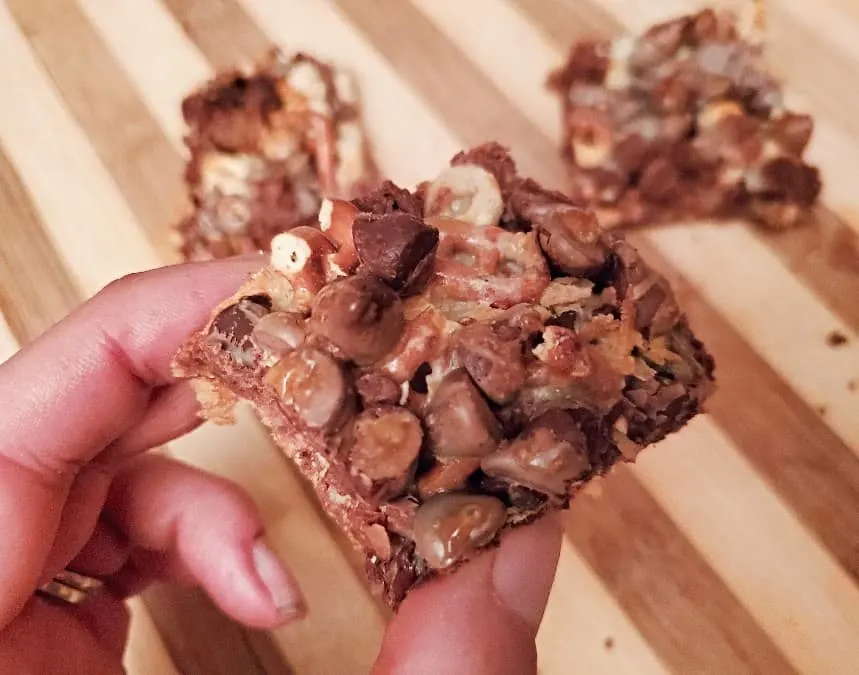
{"x":836,"y":339}
{"x":821,"y":410}
{"x":609,"y":643}
{"x":853,"y":385}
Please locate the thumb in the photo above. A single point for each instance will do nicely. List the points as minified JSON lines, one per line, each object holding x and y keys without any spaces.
{"x":483,"y":619}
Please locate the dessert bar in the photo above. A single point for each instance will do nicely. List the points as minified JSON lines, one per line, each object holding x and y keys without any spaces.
{"x":684,"y":121}
{"x":447,"y":363}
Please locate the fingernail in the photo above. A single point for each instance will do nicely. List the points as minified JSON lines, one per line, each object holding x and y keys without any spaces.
{"x":280,"y":585}
{"x":524,"y":569}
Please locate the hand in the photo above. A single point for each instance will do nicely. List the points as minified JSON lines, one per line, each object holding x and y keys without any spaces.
{"x":80,"y":407}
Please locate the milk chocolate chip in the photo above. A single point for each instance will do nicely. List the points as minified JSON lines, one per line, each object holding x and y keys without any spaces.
{"x":315,"y":386}
{"x":360,"y":315}
{"x":447,"y":475}
{"x":385,"y":446}
{"x":233,"y":327}
{"x":546,"y":456}
{"x":458,"y":419}
{"x":398,"y":248}
{"x":450,"y":527}
{"x":495,"y":364}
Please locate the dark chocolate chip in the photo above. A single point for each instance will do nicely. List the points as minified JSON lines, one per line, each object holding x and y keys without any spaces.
{"x":361,"y":315}
{"x":450,"y":527}
{"x":397,"y":247}
{"x":389,"y":198}
{"x":459,"y":420}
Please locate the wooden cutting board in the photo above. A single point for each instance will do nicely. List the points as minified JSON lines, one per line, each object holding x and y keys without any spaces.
{"x":733,"y":548}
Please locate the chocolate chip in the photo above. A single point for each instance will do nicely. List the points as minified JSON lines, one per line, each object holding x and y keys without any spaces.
{"x":398,"y":248}
{"x":446,"y":476}
{"x":495,"y":364}
{"x":793,"y":131}
{"x":314,"y":385}
{"x":279,"y":332}
{"x":458,"y":419}
{"x":377,"y":389}
{"x":360,"y":315}
{"x":570,"y":237}
{"x":233,"y":327}
{"x":551,"y":452}
{"x":450,"y":527}
{"x":384,"y":448}
{"x":660,"y":181}
{"x":791,"y":180}
{"x":388,"y":198}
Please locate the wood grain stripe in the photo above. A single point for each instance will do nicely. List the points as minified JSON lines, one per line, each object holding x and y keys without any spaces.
{"x":761,"y":551}
{"x":77,"y":199}
{"x":585,"y":630}
{"x":146,"y":653}
{"x":672,"y":594}
{"x":128,"y":141}
{"x":221,"y":31}
{"x":36,"y":290}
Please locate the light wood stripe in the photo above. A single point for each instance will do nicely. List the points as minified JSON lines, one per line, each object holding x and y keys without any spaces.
{"x":791,"y":585}
{"x":76,"y":198}
{"x":582,"y":612}
{"x":8,"y":344}
{"x":128,"y":141}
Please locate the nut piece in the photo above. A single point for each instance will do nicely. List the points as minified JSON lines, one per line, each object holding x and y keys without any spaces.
{"x":446,"y":476}
{"x":385,"y":446}
{"x":551,"y":452}
{"x":450,"y":527}
{"x":360,"y":315}
{"x":496,"y":365}
{"x":279,"y":332}
{"x":300,"y":255}
{"x":465,"y":192}
{"x":591,"y":137}
{"x":335,"y":220}
{"x":458,"y":419}
{"x":397,"y":247}
{"x":314,"y":384}
{"x":233,"y":328}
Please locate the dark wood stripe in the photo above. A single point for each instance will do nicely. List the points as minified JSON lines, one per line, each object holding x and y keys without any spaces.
{"x":211,"y":644}
{"x":683,"y":610}
{"x":144,"y":163}
{"x":830,"y":264}
{"x":36,"y":289}
{"x":225,"y":34}
{"x":787,"y":442}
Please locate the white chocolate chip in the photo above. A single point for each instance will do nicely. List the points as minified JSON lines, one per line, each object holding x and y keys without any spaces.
{"x":618,"y":76}
{"x":465,"y":192}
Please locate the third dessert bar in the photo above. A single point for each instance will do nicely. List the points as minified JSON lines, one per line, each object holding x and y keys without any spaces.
{"x":684,"y":121}
{"x":447,"y":363}
{"x":266,"y":146}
